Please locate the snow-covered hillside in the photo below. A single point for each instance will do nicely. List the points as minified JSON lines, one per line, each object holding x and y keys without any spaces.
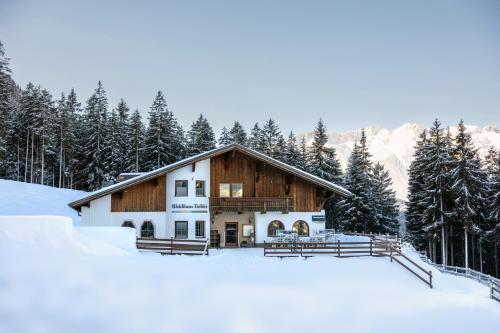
{"x":51,"y":289}
{"x":394,"y":148}
{"x":18,"y":198}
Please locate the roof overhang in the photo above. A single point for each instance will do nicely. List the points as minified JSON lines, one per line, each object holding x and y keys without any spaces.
{"x":77,"y":204}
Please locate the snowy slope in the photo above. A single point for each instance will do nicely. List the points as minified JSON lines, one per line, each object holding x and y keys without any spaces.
{"x":394,"y":148}
{"x":18,"y":198}
{"x":237,"y":290}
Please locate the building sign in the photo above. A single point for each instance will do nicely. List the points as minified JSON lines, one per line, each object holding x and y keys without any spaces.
{"x":189,"y":206}
{"x":318,"y":218}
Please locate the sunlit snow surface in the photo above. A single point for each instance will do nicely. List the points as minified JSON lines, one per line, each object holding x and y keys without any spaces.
{"x":18,"y":198}
{"x":239,"y":290}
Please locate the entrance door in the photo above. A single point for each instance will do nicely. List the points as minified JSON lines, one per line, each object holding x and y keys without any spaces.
{"x":231,"y":234}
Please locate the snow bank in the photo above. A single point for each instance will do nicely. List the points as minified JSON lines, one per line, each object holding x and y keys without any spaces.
{"x":18,"y":198}
{"x":123,"y":238}
{"x":58,"y":233}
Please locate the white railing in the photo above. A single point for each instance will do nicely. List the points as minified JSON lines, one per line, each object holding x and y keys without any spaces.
{"x":486,"y":279}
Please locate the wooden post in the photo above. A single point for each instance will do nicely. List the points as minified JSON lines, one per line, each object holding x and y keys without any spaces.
{"x":301,"y":248}
{"x":338,"y":247}
{"x":430,"y":278}
{"x":391,"y":252}
{"x":171,"y":245}
{"x":371,"y":242}
{"x":264,"y":248}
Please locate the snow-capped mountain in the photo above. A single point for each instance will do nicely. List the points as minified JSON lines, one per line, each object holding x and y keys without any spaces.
{"x":394,"y":148}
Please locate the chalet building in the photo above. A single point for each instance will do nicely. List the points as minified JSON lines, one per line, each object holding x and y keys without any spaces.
{"x":232,"y":195}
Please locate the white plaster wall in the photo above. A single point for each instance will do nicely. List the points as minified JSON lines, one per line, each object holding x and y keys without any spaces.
{"x":138,"y":218}
{"x":202,"y":172}
{"x":263,"y":220}
{"x":98,"y":213}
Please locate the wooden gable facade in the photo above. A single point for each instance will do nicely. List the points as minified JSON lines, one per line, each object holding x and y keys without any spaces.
{"x":148,"y":196}
{"x":264,"y":181}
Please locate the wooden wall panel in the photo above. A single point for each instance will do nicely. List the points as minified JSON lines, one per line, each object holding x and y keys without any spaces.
{"x":149,"y":196}
{"x":305,"y":197}
{"x":261,"y":180}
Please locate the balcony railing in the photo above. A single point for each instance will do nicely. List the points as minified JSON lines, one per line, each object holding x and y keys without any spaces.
{"x":283,"y":204}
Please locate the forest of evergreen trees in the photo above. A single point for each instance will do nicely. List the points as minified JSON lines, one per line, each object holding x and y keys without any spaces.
{"x":453,"y":208}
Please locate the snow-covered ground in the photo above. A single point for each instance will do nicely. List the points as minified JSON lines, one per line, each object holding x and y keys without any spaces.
{"x":65,"y":288}
{"x":18,"y":198}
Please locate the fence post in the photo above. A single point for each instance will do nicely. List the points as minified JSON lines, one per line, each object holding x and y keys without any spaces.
{"x":264,"y":248}
{"x":390,"y":247}
{"x":301,"y":248}
{"x":430,"y":278}
{"x":371,"y":241}
{"x":338,"y":247}
{"x":171,"y":245}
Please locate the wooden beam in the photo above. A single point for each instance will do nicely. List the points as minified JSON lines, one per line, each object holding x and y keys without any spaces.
{"x":193,"y":167}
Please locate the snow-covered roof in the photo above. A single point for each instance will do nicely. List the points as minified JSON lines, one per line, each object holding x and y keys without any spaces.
{"x":208,"y":154}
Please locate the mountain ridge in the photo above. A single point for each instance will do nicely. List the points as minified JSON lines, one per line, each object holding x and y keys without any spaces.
{"x":394,"y":148}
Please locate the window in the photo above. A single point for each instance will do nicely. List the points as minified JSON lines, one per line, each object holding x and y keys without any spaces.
{"x":128,"y":224}
{"x":224,"y":190}
{"x":301,"y":228}
{"x":181,"y":229}
{"x":234,"y":190}
{"x":147,"y":230}
{"x":181,"y":188}
{"x":247,"y":230}
{"x":200,"y":188}
{"x":200,"y":229}
{"x":237,"y":190}
{"x":274,"y":227}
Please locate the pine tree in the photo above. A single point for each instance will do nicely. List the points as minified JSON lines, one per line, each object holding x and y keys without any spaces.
{"x":224,"y":138}
{"x":200,"y":137}
{"x":237,"y":134}
{"x":357,"y":210}
{"x":164,"y":142}
{"x":439,"y":201}
{"x":302,"y":162}
{"x":385,"y":206}
{"x":323,"y":159}
{"x":122,"y":137}
{"x":291,"y":155}
{"x":269,"y":137}
{"x":136,"y":143}
{"x":255,"y":141}
{"x":114,"y":158}
{"x":94,"y":139}
{"x":5,"y":109}
{"x":415,"y":206}
{"x":469,"y":187}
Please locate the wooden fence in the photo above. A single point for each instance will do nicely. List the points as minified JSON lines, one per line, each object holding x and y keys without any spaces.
{"x":170,"y":246}
{"x":338,"y":249}
{"x":374,"y":247}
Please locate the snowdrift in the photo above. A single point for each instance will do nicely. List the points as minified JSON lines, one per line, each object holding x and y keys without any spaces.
{"x":18,"y":198}
{"x":58,"y":233}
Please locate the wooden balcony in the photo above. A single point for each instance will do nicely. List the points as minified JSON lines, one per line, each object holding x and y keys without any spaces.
{"x":240,"y":205}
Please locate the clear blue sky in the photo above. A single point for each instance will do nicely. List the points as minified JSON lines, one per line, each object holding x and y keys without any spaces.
{"x":353,"y":63}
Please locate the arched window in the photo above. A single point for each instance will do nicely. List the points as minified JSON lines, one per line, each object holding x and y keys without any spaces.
{"x":274,"y":227}
{"x":301,"y":228}
{"x":147,"y":230}
{"x":128,"y":224}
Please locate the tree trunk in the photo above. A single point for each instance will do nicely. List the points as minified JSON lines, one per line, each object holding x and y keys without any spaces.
{"x":496,"y":259}
{"x":60,"y":157}
{"x":466,"y":250}
{"x":443,"y":246}
{"x":32,"y":152}
{"x":27,"y":152}
{"x":43,"y":159}
{"x":434,"y":250}
{"x":452,"y":259}
{"x":18,"y":159}
{"x":480,"y":257}
{"x":473,"y":248}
